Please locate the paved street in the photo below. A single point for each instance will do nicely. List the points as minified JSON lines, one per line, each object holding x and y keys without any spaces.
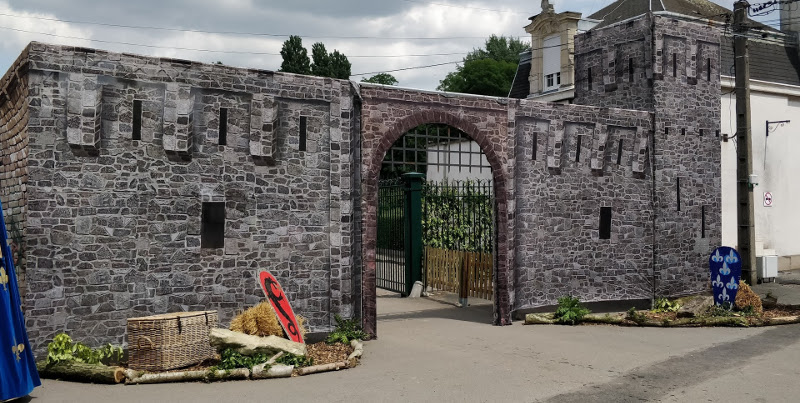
{"x":430,"y":351}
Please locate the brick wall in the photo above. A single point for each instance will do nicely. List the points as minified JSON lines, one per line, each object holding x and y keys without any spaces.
{"x":14,"y":118}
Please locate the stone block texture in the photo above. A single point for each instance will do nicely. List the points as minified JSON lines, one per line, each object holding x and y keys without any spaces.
{"x":111,"y":204}
{"x":115,"y":224}
{"x":679,"y":83}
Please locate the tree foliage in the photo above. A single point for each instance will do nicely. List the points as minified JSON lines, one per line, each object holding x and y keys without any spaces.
{"x":320,"y":60}
{"x":340,"y":66}
{"x":487,"y":71}
{"x":295,"y":56}
{"x":382,"y":78}
{"x":295,"y":60}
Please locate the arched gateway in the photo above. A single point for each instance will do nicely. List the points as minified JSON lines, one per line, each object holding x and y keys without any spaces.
{"x":387,"y":115}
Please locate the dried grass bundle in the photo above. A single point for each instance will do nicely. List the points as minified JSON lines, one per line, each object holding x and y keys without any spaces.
{"x":746,"y":297}
{"x":262,"y":321}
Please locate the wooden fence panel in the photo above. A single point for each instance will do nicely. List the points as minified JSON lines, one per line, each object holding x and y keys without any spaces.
{"x":443,"y":270}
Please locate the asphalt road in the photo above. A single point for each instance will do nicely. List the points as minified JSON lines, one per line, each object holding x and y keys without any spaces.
{"x":429,"y":351}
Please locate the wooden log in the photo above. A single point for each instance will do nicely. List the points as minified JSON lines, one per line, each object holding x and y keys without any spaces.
{"x":539,"y":319}
{"x":358,"y":349}
{"x":80,"y":372}
{"x":784,"y":320}
{"x":322,"y":368}
{"x":166,"y":377}
{"x":275,"y":371}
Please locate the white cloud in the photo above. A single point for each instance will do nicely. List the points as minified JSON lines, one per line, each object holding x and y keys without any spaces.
{"x":395,"y":18}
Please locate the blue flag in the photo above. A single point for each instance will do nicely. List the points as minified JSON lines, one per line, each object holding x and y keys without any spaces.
{"x":726,"y":271}
{"x":18,"y":374}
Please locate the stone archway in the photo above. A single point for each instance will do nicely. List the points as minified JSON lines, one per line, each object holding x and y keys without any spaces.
{"x":378,"y":139}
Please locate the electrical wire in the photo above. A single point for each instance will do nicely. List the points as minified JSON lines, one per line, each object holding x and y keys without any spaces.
{"x":241,"y":33}
{"x":466,"y":7}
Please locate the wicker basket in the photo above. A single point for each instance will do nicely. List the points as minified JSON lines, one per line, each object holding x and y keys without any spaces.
{"x":170,"y":341}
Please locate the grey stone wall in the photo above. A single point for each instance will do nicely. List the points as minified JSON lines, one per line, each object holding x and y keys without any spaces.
{"x":680,"y":86}
{"x":566,"y":169}
{"x":113,"y":225}
{"x":116,"y":222}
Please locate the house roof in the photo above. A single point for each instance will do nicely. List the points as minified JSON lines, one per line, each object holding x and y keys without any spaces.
{"x":624,"y":9}
{"x":768,"y":62}
{"x":520,"y":88}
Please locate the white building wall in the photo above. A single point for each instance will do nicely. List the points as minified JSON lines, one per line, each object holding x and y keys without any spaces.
{"x":449,"y":154}
{"x":776,"y":161}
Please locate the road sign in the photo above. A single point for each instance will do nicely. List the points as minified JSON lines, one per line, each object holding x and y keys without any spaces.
{"x":768,"y":199}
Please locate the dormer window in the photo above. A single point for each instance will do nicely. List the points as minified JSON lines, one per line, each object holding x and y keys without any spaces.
{"x":551,"y":62}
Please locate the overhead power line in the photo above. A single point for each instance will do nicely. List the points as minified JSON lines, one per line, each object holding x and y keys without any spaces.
{"x":466,"y":7}
{"x":213,"y":50}
{"x":243,"y":33}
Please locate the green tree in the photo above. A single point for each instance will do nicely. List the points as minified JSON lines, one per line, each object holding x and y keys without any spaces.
{"x":487,"y":71}
{"x":382,"y":78}
{"x":340,"y":66}
{"x":320,"y":60}
{"x":295,"y":56}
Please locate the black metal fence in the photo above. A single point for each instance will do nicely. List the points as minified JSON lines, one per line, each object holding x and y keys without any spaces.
{"x":458,"y":216}
{"x":390,"y":250}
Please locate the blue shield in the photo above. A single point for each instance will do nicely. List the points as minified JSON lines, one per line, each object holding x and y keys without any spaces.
{"x":726,"y":270}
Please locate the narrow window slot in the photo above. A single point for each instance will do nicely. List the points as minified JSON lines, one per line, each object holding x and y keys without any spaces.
{"x":605,"y":222}
{"x":708,"y":69}
{"x":678,"y":192}
{"x":674,"y":64}
{"x":666,"y":130}
{"x":703,"y":222}
{"x":683,"y":131}
{"x":303,"y":134}
{"x":630,"y":70}
{"x":619,"y":153}
{"x":223,"y":126}
{"x":701,"y":132}
{"x":212,"y":229}
{"x":535,"y":145}
{"x":589,"y":73}
{"x":578,"y":150}
{"x":137,"y":120}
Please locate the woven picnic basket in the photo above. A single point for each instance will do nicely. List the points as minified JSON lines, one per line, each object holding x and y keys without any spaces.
{"x":170,"y":341}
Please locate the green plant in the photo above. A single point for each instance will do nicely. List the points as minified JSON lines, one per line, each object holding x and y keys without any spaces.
{"x":296,"y":360}
{"x":636,"y":316}
{"x":720,"y":311}
{"x":665,"y":305}
{"x":570,"y":311}
{"x":62,"y":349}
{"x":345,"y":331}
{"x":231,"y":359}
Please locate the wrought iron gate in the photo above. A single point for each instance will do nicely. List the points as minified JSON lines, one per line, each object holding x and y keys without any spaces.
{"x":399,"y":243}
{"x":458,"y":233}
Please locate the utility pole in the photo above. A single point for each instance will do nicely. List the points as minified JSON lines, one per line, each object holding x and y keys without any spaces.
{"x":744,"y":149}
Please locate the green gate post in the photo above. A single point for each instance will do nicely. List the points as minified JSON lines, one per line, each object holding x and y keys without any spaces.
{"x":413,"y":228}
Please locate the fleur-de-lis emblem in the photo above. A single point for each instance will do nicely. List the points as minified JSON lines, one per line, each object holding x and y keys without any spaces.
{"x":718,"y":283}
{"x":3,"y":278}
{"x":724,"y":296}
{"x":717,"y":258}
{"x":731,"y":259}
{"x":18,"y":349}
{"x":732,"y":285}
{"x":725,"y":270}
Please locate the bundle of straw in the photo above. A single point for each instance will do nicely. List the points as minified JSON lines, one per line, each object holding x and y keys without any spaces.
{"x":262,"y":321}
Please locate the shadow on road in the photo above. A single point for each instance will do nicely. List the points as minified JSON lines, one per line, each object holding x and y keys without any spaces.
{"x":657,"y":380}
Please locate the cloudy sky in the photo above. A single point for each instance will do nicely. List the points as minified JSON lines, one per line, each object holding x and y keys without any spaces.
{"x":376,"y":35}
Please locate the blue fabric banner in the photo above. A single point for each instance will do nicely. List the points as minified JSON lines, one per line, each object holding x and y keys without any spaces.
{"x":18,"y":374}
{"x":726,"y":271}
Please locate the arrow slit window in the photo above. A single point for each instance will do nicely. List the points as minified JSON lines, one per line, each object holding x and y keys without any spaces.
{"x":212,"y":228}
{"x":703,"y":222}
{"x":605,"y":222}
